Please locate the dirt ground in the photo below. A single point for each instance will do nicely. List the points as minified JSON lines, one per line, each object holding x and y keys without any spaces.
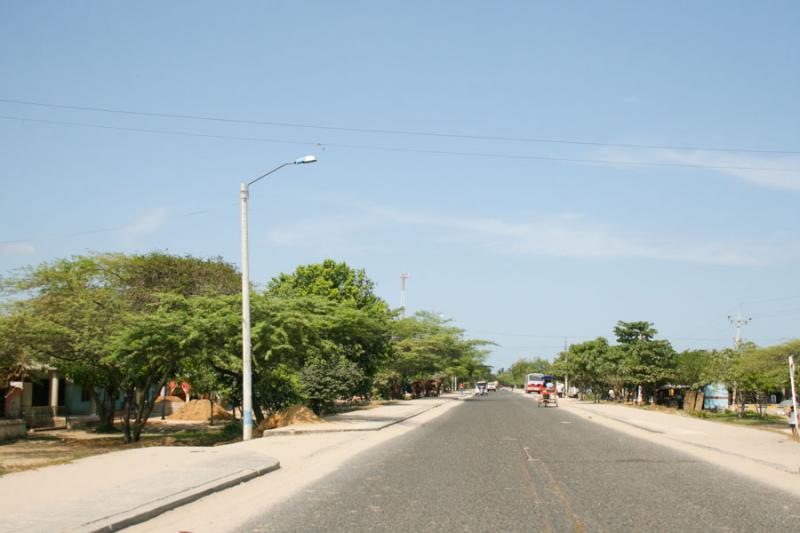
{"x":200,"y":410}
{"x":62,"y":446}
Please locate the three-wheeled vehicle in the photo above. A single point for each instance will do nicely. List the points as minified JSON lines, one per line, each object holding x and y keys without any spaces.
{"x":549,"y":394}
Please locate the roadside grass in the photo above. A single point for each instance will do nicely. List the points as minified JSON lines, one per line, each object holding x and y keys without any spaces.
{"x":207,"y":436}
{"x":748,"y":418}
{"x":347,"y":406}
{"x":39,"y":450}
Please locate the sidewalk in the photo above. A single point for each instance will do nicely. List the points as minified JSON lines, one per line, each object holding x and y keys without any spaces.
{"x":368,"y":419}
{"x":118,"y":489}
{"x":769,"y":457}
{"x":768,"y":448}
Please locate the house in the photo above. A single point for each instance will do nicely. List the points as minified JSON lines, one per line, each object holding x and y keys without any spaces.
{"x":44,"y":399}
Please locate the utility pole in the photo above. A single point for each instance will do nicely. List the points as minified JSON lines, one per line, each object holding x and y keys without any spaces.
{"x":566,"y":371}
{"x":403,"y":278}
{"x":738,"y":322}
{"x":791,"y":378}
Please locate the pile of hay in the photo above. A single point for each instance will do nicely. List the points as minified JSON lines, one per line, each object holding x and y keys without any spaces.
{"x":200,"y":410}
{"x":296,"y":414}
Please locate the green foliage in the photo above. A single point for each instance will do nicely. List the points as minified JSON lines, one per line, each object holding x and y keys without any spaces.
{"x":645,"y":361}
{"x":146,"y":351}
{"x":287,"y":333}
{"x":17,"y":347}
{"x":630,"y":332}
{"x":323,"y":382}
{"x":522,"y":367}
{"x":278,"y":387}
{"x":697,"y":368}
{"x":426,"y":347}
{"x":764,"y":370}
{"x":330,"y":280}
{"x":91,"y":317}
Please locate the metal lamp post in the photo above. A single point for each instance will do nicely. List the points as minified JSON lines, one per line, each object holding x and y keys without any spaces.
{"x":247,"y":366}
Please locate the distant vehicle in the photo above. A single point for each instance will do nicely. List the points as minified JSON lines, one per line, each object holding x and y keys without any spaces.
{"x":534,"y":383}
{"x":480,"y":387}
{"x":549,"y":395}
{"x":492,"y":385}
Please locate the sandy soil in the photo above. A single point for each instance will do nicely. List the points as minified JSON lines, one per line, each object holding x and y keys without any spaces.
{"x":200,"y":410}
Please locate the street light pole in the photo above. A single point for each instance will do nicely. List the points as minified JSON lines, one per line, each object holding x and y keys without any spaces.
{"x":247,"y":365}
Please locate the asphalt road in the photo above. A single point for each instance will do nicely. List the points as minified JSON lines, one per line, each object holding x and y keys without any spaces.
{"x":499,"y":463}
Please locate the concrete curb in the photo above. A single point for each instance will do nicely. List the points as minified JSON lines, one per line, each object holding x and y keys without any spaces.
{"x":151,"y":509}
{"x":283,"y":432}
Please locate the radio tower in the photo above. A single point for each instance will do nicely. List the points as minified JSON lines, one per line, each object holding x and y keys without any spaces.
{"x":403,"y":278}
{"x":739,"y":322}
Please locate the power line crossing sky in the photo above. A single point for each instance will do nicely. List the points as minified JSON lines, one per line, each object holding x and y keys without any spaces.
{"x":538,"y":168}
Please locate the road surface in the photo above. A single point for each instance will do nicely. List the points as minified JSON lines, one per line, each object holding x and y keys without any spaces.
{"x":499,"y":463}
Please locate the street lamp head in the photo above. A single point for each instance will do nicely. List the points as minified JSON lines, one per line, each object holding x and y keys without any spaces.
{"x":305,"y":160}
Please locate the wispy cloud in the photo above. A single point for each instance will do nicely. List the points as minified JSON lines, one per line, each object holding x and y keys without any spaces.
{"x":148,"y":222}
{"x":573,"y":235}
{"x":330,"y":234}
{"x":752,"y":169}
{"x":561,"y":235}
{"x":17,"y":248}
{"x":765,"y":170}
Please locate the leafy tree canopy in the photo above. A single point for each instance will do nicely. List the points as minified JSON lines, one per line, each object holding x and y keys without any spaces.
{"x":334,"y":281}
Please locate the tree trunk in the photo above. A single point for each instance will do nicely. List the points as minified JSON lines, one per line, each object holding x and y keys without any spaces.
{"x":126,"y":416}
{"x":105,"y":407}
{"x":257,"y":412}
{"x":144,"y":407}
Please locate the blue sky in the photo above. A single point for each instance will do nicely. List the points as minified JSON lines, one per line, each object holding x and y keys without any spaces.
{"x":520,"y":242}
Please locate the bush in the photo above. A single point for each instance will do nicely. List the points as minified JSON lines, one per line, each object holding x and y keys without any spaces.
{"x":324,"y":382}
{"x":277,"y":388}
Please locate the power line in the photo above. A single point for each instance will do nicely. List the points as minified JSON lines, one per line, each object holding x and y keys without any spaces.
{"x":404,"y":150}
{"x":105,"y":230}
{"x":578,"y":337}
{"x":528,"y":335}
{"x":396,"y":132}
{"x":779,"y":313}
{"x":155,"y":131}
{"x":780,"y":299}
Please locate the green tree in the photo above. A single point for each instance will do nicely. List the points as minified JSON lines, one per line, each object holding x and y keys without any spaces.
{"x":522,"y":367}
{"x":698,"y":368}
{"x":333,"y":281}
{"x":16,"y":347}
{"x":647,"y":362}
{"x":146,"y":352}
{"x":589,"y":364}
{"x":425,"y":347}
{"x":288,"y":332}
{"x":761,"y":371}
{"x":325,"y":381}
{"x":82,"y":306}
